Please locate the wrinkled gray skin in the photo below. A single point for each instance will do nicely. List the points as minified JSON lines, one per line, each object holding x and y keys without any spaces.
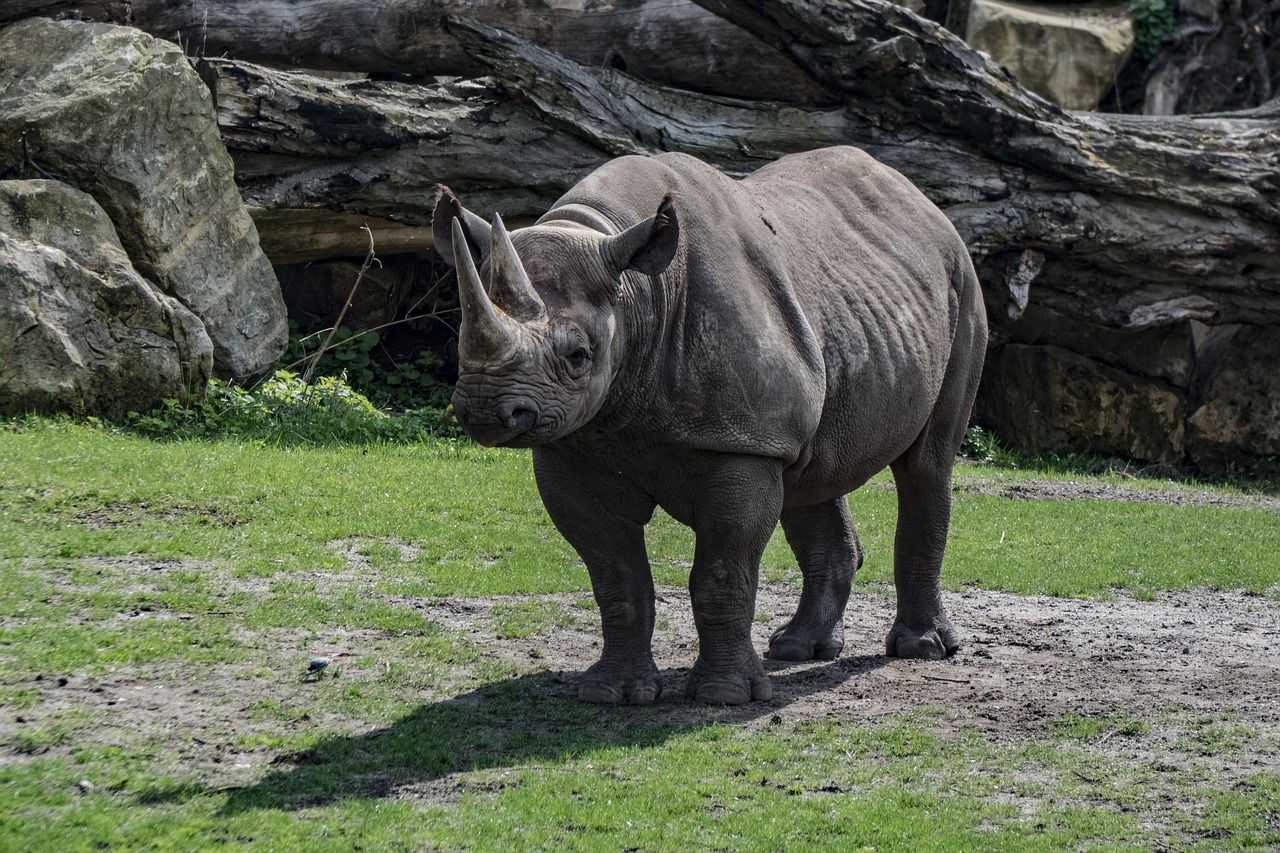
{"x":737,"y":353}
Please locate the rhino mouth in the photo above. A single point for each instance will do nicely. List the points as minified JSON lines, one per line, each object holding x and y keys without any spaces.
{"x":505,"y":423}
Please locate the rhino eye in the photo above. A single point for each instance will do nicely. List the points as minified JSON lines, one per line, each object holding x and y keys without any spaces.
{"x":578,"y":357}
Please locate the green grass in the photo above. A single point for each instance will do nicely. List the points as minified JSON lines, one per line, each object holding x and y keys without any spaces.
{"x":209,"y":572}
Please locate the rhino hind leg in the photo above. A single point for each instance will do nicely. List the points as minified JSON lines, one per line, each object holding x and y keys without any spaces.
{"x":825,"y":542}
{"x":921,"y":628}
{"x":922,"y":476}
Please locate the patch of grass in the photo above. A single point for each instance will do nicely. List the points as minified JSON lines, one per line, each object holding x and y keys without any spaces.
{"x":1092,"y":728}
{"x":216,"y":569}
{"x":1218,"y":737}
{"x":31,"y":741}
{"x":517,"y":620}
{"x":636,"y":783}
{"x":1245,"y":817}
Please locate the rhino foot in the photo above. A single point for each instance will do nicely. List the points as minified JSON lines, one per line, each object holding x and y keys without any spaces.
{"x":610,"y":685}
{"x":793,"y":643}
{"x":721,"y":688}
{"x":932,"y":642}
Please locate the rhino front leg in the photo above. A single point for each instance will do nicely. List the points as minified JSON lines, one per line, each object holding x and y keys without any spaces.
{"x":921,"y":629}
{"x":825,"y":542}
{"x":735,"y":513}
{"x":604,"y":522}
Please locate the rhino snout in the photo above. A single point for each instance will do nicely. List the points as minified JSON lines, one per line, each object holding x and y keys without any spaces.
{"x":500,"y":423}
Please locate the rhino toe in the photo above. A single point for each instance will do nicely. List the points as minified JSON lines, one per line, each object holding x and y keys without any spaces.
{"x":933,"y":643}
{"x":609,"y":689}
{"x":790,"y":644}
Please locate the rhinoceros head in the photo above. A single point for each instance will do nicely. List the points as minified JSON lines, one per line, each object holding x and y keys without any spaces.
{"x":535,"y":348}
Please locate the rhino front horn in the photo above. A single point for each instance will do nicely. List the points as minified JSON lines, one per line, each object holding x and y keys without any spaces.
{"x":487,"y":334}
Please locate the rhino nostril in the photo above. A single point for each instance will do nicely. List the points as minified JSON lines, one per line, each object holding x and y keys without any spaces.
{"x":517,"y":414}
{"x":521,"y":418}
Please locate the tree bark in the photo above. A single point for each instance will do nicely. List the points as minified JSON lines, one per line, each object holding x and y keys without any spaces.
{"x":1156,"y":220}
{"x":673,"y":42}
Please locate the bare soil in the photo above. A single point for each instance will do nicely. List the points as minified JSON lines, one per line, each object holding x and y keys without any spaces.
{"x":1025,"y":659}
{"x":1060,"y":490}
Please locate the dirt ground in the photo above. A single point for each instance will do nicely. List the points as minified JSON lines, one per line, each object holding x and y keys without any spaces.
{"x":1025,"y":661}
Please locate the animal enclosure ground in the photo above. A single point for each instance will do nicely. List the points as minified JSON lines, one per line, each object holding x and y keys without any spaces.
{"x":159,"y":604}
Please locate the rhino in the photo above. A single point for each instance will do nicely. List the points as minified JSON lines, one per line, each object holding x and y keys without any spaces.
{"x":739,"y":353}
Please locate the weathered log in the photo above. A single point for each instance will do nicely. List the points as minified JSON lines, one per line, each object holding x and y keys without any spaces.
{"x":673,"y":42}
{"x":290,"y":236}
{"x":1153,"y":225}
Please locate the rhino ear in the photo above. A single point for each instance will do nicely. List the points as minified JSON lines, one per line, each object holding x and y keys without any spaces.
{"x":474,"y":229}
{"x":647,"y":246}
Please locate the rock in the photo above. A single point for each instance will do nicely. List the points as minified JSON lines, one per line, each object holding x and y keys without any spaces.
{"x":1220,"y":58}
{"x":1235,"y":421}
{"x":1069,"y":54}
{"x":80,"y":330}
{"x":124,"y":117}
{"x":1178,"y":393}
{"x":1046,"y":398}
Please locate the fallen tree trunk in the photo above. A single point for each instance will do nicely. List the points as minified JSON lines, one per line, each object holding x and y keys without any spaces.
{"x":673,"y":42}
{"x":1191,"y":234}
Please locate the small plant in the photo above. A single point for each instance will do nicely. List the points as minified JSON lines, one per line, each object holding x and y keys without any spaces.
{"x":981,"y":445}
{"x":285,"y":410}
{"x":1153,"y":22}
{"x":339,"y":351}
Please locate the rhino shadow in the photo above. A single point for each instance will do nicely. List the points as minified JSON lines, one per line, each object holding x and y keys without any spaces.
{"x":528,"y":719}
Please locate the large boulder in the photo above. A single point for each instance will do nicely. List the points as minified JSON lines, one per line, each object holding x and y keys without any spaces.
{"x":124,"y":117}
{"x":1067,"y":53}
{"x":80,"y":330}
{"x":1175,"y":392}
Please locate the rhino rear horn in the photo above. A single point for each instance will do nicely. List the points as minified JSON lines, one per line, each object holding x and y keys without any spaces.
{"x":487,"y":334}
{"x":509,"y":284}
{"x":649,"y":245}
